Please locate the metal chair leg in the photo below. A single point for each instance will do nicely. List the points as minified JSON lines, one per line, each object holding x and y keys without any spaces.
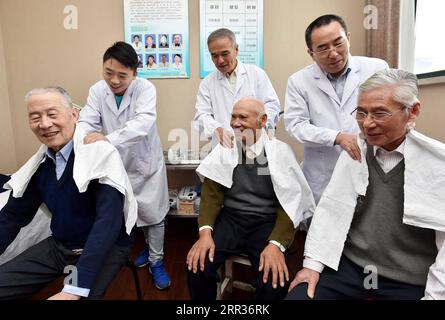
{"x":134,"y":270}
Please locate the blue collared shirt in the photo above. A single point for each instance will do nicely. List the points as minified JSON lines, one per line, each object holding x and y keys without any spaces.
{"x":339,"y":83}
{"x":61,"y":157}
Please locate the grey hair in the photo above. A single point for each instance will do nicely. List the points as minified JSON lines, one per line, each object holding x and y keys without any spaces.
{"x":405,"y":83}
{"x":222,"y":33}
{"x":66,"y":98}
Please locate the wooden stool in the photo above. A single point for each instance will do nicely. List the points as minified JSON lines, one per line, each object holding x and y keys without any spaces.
{"x":227,"y":282}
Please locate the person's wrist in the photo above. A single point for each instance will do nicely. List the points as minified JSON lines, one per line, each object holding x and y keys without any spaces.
{"x":338,"y":138}
{"x":218,"y":132}
{"x":205,"y":232}
{"x":279,"y":245}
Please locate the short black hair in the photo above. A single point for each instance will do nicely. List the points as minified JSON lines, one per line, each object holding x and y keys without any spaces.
{"x":124,"y":53}
{"x":322,"y":21}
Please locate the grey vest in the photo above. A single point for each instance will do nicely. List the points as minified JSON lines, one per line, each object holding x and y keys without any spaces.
{"x":377,"y":235}
{"x":252,"y":190}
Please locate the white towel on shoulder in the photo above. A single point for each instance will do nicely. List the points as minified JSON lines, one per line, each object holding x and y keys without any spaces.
{"x":289,"y":183}
{"x":99,"y":160}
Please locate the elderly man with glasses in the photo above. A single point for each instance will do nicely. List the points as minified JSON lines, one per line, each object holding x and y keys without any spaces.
{"x":320,"y":98}
{"x":379,"y":226}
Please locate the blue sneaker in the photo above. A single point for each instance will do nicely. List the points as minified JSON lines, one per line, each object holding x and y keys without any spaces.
{"x":160,"y":277}
{"x":142,"y":259}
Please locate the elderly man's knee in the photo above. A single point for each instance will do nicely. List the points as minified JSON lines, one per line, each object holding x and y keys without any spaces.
{"x":298,"y":293}
{"x":266,"y":291}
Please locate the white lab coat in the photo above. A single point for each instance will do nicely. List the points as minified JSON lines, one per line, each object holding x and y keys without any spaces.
{"x":289,"y":184}
{"x":215,"y":99}
{"x":132,"y":130}
{"x":424,"y":205}
{"x":314,"y":115}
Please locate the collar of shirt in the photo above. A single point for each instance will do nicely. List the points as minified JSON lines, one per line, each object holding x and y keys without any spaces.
{"x":232,"y":77}
{"x":60,"y":158}
{"x":389,"y":159}
{"x":64,"y":152}
{"x":234,"y":72}
{"x":256,"y":149}
{"x":118,"y":100}
{"x":380,"y":151}
{"x":339,"y":83}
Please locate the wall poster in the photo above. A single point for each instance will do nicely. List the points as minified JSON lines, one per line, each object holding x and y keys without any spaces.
{"x":244,"y":18}
{"x":159,"y":32}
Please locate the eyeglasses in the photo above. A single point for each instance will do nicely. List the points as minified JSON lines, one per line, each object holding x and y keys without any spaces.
{"x":378,"y":116}
{"x":326,"y":52}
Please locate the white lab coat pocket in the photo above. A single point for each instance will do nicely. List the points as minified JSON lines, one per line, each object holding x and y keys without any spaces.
{"x":316,"y":158}
{"x":143,"y":162}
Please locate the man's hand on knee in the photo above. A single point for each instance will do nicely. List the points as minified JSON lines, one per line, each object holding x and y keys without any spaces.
{"x":311,"y":277}
{"x":272,"y":260}
{"x":197,"y":253}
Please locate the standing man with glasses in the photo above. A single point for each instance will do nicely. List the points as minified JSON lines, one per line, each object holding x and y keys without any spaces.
{"x":320,"y":98}
{"x":379,"y":226}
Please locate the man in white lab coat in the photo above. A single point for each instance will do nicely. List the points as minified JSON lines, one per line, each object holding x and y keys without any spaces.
{"x":232,"y":80}
{"x":320,"y":98}
{"x":379,"y":224}
{"x":122,"y":109}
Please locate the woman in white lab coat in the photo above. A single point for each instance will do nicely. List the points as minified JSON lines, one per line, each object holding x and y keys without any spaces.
{"x":122,"y":109}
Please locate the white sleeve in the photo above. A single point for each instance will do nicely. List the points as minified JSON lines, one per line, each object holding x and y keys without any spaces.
{"x":205,"y":227}
{"x":268,"y":95}
{"x":279,"y":245}
{"x":298,"y":122}
{"x":135,"y":129}
{"x":76,"y":290}
{"x":90,"y":119}
{"x":313,"y":264}
{"x":204,"y":120}
{"x":435,"y":284}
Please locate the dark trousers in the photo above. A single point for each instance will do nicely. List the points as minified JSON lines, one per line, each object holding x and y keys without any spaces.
{"x":348,"y":283}
{"x":236,"y":233}
{"x":3,"y":180}
{"x":41,"y":264}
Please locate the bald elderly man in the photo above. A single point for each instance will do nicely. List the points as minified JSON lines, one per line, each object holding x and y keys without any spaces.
{"x":254,"y":196}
